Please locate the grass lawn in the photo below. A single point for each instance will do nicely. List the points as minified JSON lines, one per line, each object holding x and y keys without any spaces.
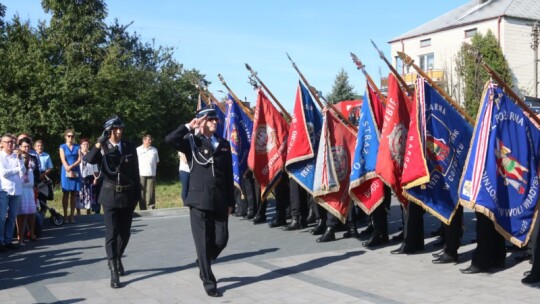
{"x":167,"y":196}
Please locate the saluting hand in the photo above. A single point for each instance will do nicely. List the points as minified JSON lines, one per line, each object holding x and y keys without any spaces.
{"x":197,"y":123}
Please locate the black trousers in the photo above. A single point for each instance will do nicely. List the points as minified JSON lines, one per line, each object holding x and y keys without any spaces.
{"x":210,"y":234}
{"x":379,"y":216}
{"x":117,"y":230}
{"x":413,"y":232}
{"x":451,"y":234}
{"x":281,"y":193}
{"x":490,"y":247}
{"x":252,"y":191}
{"x":299,"y":200}
{"x":535,"y":249}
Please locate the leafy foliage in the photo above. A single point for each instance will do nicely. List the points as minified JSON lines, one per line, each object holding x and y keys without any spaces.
{"x":342,"y":90}
{"x":473,"y":74}
{"x":77,"y":71}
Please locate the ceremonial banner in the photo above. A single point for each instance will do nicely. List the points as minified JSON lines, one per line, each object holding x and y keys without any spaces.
{"x":437,"y":147}
{"x":501,"y":179}
{"x":238,"y":129}
{"x":268,"y":145}
{"x":304,"y":135}
{"x":393,"y":138}
{"x":332,"y":170}
{"x":366,"y":188}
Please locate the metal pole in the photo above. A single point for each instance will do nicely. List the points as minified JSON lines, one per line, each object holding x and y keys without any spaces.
{"x":534,"y":46}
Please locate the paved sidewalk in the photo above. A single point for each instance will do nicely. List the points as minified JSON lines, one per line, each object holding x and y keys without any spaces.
{"x":260,"y":265}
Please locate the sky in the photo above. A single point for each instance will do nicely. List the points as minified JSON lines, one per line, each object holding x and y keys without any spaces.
{"x":219,"y":37}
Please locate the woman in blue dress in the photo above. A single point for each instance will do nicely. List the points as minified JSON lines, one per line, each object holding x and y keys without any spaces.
{"x":70,"y":155}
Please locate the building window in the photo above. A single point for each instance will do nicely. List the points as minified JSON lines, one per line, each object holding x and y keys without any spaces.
{"x":427,"y":61}
{"x":425,"y":42}
{"x":470,"y":33}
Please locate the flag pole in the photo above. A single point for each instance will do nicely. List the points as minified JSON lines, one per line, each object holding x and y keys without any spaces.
{"x":362,"y":67}
{"x":509,"y":91}
{"x":316,"y":96}
{"x":394,"y":71}
{"x":214,"y":100}
{"x":410,"y":62}
{"x":254,"y":75}
{"x":237,"y":100}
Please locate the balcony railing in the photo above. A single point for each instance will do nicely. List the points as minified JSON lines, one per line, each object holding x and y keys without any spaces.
{"x":410,"y":78}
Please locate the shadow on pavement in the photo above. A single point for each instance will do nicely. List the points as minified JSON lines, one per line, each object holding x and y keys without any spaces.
{"x":288,"y":271}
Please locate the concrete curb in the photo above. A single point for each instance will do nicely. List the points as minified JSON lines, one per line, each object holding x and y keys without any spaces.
{"x":161,"y":212}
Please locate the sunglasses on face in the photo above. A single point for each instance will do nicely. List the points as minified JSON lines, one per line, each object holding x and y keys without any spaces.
{"x":70,"y":135}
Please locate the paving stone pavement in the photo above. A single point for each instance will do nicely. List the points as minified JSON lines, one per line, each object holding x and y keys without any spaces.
{"x":260,"y":265}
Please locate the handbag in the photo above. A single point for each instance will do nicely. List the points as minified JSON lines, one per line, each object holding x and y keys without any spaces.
{"x":45,"y":189}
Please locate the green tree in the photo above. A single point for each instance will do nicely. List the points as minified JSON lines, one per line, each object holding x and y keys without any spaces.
{"x":473,"y":74}
{"x":342,"y":90}
{"x":77,"y":71}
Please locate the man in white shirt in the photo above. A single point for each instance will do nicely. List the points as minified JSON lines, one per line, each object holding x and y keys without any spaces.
{"x":148,"y":160}
{"x":11,"y":168}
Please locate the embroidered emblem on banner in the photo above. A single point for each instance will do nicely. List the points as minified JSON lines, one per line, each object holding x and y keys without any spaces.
{"x":265,"y":139}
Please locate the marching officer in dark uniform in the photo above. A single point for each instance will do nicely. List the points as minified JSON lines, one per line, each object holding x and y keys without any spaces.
{"x":211,"y":189}
{"x":120,"y":192}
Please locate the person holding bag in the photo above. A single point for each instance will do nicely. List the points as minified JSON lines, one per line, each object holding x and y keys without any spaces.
{"x":70,"y":177}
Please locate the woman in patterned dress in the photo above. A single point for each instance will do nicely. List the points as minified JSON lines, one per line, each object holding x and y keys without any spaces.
{"x":86,"y":195}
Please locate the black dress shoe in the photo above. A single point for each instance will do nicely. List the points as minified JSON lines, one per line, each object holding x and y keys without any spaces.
{"x":368,"y":231}
{"x":351,"y":233}
{"x":471,"y":270}
{"x":276,"y":222}
{"x":311,"y":218}
{"x":259,"y":219}
{"x":213,"y":293}
{"x":328,"y":235}
{"x":445,"y":259}
{"x":530,"y":279}
{"x":250,"y":216}
{"x":295,"y":225}
{"x":437,"y":254}
{"x":319,"y":229}
{"x":115,"y":278}
{"x":376,"y":240}
{"x":398,"y":251}
{"x":121,"y":270}
{"x":398,"y":238}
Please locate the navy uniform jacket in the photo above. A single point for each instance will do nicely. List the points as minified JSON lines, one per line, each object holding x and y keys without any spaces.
{"x":211,"y":185}
{"x":128,"y":164}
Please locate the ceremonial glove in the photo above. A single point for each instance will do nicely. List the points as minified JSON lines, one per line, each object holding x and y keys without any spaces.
{"x":104,"y":137}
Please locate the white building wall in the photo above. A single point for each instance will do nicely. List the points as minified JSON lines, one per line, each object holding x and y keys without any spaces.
{"x":515,"y":42}
{"x":516,"y":45}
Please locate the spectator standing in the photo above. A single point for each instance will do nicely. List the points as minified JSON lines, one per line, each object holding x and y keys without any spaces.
{"x":148,"y":160}
{"x":45,"y":163}
{"x":11,"y":167}
{"x":183,"y":171}
{"x":45,"y":167}
{"x":86,"y":194}
{"x":71,"y":174}
{"x":27,"y":207}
